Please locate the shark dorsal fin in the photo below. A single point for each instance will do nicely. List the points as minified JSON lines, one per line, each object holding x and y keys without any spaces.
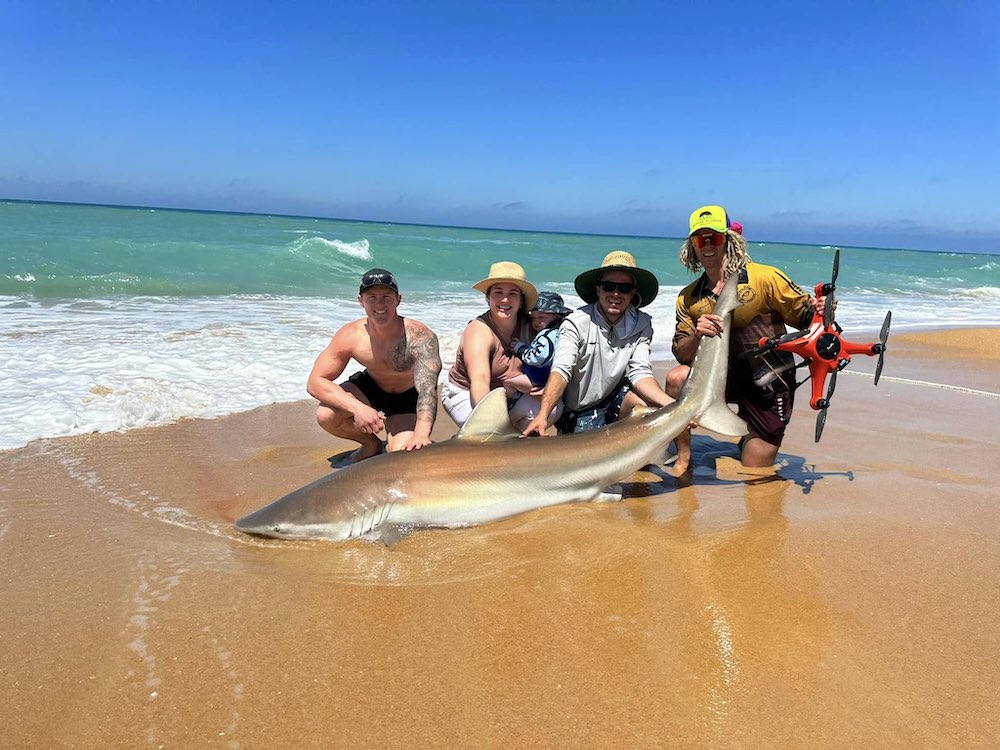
{"x":489,"y":420}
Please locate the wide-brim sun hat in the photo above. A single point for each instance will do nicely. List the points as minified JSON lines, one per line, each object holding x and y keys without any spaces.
{"x":646,"y":285}
{"x":709,"y":217}
{"x":509,"y":272}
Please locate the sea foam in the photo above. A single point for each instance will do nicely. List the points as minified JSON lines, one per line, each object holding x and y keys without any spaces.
{"x":359,"y":249}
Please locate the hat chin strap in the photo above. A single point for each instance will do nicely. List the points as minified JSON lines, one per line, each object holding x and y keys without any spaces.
{"x":604,"y":314}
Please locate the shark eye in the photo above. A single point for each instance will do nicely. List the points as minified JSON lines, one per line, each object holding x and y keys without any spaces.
{"x":276,"y":527}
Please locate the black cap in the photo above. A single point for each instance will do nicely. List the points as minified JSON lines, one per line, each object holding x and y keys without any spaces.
{"x":378,"y":277}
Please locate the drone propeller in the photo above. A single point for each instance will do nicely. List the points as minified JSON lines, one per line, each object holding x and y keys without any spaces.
{"x":828,"y":291}
{"x":824,"y":404}
{"x":880,"y":346}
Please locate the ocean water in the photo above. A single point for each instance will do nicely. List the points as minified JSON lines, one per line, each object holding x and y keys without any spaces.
{"x":115,"y":318}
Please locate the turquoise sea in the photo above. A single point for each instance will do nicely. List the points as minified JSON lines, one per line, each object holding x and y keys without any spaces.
{"x":113,"y":318}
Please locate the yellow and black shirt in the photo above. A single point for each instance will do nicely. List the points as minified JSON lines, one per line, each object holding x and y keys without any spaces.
{"x":770,"y":302}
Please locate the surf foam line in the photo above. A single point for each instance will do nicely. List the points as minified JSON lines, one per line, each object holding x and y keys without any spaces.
{"x":926,"y":383}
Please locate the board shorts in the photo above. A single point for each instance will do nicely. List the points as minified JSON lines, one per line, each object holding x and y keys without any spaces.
{"x":765,"y":410}
{"x":387,"y":403}
{"x":605,"y":412}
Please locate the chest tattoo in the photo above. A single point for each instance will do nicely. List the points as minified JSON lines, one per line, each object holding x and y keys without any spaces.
{"x":400,"y":358}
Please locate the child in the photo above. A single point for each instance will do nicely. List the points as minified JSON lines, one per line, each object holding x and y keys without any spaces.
{"x":546,"y":316}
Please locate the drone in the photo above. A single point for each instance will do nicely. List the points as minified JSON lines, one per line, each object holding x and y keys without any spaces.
{"x":823,"y":350}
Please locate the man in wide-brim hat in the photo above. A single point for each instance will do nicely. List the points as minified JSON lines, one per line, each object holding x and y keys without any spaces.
{"x":601,"y":368}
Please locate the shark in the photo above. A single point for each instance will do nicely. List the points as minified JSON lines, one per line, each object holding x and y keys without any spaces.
{"x":487,"y":472}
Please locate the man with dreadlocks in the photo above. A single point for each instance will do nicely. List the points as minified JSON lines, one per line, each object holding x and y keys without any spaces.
{"x":761,"y":386}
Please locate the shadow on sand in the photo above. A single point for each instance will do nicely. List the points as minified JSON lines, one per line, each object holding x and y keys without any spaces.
{"x":716,"y":461}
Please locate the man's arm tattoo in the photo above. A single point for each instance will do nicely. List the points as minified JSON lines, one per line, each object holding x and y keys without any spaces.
{"x":426,"y":368}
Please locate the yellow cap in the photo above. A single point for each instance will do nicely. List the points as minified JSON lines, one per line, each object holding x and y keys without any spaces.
{"x":709,"y":217}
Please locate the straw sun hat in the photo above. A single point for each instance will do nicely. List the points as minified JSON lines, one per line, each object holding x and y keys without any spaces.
{"x":508,"y":272}
{"x":646,"y":284}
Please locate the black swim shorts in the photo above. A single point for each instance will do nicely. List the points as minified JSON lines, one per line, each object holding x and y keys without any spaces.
{"x":387,"y":403}
{"x":765,"y":410}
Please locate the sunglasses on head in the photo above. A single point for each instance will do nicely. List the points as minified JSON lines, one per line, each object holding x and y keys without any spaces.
{"x":616,"y":286}
{"x":715,"y":239}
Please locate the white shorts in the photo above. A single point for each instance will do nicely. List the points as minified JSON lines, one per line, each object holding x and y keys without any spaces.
{"x":457,"y":402}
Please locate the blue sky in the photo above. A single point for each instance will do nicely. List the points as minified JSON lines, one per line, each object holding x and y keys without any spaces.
{"x":849,"y":123}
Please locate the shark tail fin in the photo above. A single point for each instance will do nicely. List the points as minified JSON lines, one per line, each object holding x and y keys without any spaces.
{"x":721,"y":419}
{"x":489,"y":420}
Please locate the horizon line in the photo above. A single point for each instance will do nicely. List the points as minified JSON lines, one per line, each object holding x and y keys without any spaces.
{"x":447,"y":226}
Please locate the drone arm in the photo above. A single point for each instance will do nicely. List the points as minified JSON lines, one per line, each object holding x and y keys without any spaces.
{"x":849,"y":347}
{"x":818,"y":371}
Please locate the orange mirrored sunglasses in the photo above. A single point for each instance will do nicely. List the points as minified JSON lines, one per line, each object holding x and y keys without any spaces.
{"x":715,"y":239}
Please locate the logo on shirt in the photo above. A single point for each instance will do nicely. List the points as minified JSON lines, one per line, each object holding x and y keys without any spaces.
{"x":746,"y":294}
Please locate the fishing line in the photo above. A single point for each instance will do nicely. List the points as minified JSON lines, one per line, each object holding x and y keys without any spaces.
{"x":924,"y":382}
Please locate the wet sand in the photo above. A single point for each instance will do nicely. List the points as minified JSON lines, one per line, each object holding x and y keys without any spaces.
{"x":851,"y":602}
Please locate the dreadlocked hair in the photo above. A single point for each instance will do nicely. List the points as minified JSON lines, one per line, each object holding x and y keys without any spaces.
{"x":737,"y":255}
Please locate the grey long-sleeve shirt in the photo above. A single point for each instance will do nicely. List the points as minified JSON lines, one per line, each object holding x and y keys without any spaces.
{"x":593,"y":356}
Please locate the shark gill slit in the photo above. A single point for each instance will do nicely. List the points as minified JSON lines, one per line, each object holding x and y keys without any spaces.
{"x":385,"y":508}
{"x":357,"y":523}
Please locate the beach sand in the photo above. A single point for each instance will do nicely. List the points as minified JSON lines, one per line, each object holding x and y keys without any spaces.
{"x":851,"y":602}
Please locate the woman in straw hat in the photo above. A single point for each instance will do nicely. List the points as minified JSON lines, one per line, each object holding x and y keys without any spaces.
{"x":485,"y":356}
{"x":601,"y":368}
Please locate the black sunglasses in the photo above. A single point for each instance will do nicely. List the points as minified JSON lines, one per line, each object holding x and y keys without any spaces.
{"x":616,"y":286}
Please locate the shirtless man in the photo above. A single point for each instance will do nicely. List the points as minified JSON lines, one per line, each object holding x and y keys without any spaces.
{"x":397,"y":392}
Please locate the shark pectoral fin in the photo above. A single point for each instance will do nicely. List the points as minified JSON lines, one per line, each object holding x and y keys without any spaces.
{"x":489,"y":420}
{"x":720,"y":418}
{"x":612,"y":494}
{"x":391,"y":535}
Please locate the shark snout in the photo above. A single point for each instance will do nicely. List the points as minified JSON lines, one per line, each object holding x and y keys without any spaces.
{"x":258,"y":523}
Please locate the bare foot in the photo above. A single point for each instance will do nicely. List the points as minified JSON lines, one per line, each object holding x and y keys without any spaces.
{"x":367,"y":450}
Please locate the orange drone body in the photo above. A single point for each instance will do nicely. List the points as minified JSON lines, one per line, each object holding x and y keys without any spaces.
{"x":823,"y":350}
